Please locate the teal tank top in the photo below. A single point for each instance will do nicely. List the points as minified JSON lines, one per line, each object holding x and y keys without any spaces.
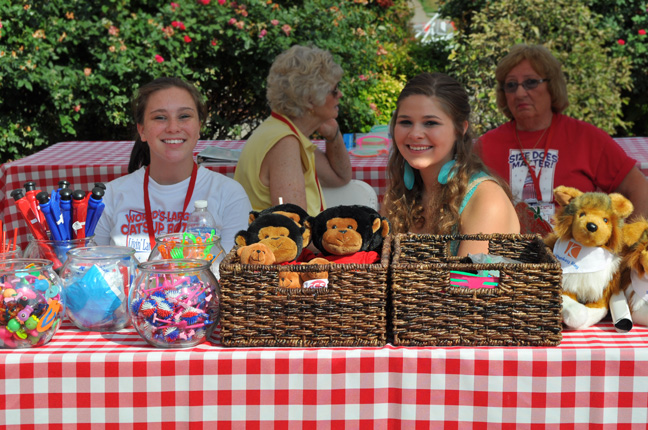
{"x":475,"y":180}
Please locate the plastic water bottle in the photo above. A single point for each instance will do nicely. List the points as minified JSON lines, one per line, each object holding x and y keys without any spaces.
{"x":201,"y":222}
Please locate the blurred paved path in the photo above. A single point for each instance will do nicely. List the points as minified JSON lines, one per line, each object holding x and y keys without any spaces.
{"x":420,"y":17}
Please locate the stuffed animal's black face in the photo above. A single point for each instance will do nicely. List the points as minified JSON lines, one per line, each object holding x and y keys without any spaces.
{"x":279,"y":233}
{"x":292,"y":211}
{"x":344,"y":230}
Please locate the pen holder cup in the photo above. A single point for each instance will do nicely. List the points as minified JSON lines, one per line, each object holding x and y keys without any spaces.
{"x":32,"y":301}
{"x":15,"y":253}
{"x":96,"y":282}
{"x":55,"y":250}
{"x":175,"y":303}
{"x":176,"y":246}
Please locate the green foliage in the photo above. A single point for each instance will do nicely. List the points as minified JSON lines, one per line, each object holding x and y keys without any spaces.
{"x":595,"y":78}
{"x":69,"y":68}
{"x":628,"y":20}
{"x":431,"y":56}
{"x":373,"y":97}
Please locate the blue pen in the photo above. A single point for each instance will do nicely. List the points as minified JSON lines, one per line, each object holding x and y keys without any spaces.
{"x":55,"y":208}
{"x":95,"y":218}
{"x":45,"y":206}
{"x":95,"y":209}
{"x":65,"y":195}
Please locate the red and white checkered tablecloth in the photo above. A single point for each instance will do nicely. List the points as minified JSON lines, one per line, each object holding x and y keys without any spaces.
{"x":637,"y":148}
{"x":84,"y":163}
{"x":596,"y":379}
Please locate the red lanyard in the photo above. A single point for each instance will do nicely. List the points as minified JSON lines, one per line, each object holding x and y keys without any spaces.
{"x":292,"y":127}
{"x":536,"y":177}
{"x":147,"y":202}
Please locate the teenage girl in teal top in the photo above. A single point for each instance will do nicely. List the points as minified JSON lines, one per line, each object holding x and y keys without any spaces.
{"x":438,"y":185}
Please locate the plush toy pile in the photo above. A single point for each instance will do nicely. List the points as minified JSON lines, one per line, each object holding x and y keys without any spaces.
{"x":342,"y":234}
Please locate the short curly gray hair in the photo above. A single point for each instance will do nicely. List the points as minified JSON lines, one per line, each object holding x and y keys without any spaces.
{"x":301,"y":76}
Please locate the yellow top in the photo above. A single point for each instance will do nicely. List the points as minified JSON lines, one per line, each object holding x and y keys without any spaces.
{"x":249,"y":165}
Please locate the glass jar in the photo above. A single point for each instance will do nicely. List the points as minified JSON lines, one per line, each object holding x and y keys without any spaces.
{"x":14,"y":253}
{"x":174,"y":303}
{"x":55,"y":250}
{"x":185,"y":245}
{"x":96,"y":281}
{"x":33,"y":304}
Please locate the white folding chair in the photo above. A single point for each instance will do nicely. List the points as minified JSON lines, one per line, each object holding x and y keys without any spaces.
{"x":356,"y":192}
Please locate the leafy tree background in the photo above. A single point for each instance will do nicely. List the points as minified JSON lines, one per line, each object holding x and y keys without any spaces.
{"x":602,"y":45}
{"x":69,"y":68}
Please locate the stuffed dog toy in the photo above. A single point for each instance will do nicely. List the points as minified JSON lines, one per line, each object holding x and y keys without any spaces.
{"x":634,"y":269}
{"x":587,"y":240}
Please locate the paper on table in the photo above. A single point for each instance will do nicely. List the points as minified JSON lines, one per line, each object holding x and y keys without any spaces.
{"x":217,"y":154}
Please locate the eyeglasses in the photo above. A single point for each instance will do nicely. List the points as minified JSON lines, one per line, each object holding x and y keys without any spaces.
{"x":529,"y":84}
{"x":335,"y":91}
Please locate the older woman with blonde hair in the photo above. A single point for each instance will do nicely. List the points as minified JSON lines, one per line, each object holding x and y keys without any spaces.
{"x":540,"y":148}
{"x":279,"y":161}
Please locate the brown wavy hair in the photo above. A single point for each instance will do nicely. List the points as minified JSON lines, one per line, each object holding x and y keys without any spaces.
{"x":404,"y":208}
{"x":140,"y":154}
{"x":544,"y":63}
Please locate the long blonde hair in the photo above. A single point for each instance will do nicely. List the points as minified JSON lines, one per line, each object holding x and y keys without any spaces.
{"x":404,"y":207}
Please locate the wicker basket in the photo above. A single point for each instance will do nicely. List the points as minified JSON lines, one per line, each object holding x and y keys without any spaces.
{"x":524,"y":309}
{"x":351,"y":311}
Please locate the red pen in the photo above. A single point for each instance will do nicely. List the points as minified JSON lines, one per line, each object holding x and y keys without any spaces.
{"x":35,"y":227}
{"x":24,"y":206}
{"x":31,"y":191}
{"x":79,"y":210}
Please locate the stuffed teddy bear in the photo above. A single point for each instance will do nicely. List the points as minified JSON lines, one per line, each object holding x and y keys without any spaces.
{"x":634,"y":269}
{"x":305,"y":279}
{"x":315,"y":279}
{"x":281,"y":234}
{"x":257,"y":253}
{"x":587,"y":239}
{"x":275,"y":238}
{"x":350,"y":234}
{"x":289,"y":280}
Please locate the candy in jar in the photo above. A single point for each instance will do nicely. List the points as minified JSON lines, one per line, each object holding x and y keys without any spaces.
{"x":175,"y":303}
{"x":32,"y":305}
